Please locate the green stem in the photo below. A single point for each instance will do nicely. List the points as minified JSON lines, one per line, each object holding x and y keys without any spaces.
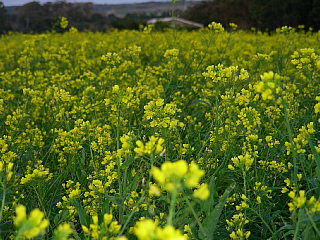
{"x":262,"y":219}
{"x":197,"y":219}
{"x":39,"y":199}
{"x":296,"y":232}
{"x":142,"y":198}
{"x":313,"y":224}
{"x":295,"y":166}
{"x":131,"y":215}
{"x":119,"y":167}
{"x":244,"y":182}
{"x":172,"y":207}
{"x":3,"y":200}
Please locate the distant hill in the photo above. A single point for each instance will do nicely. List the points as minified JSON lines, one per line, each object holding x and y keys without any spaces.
{"x":36,"y":17}
{"x":120,"y":10}
{"x":154,"y":8}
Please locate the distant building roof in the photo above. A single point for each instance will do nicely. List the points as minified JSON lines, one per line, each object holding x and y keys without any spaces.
{"x":175,"y":20}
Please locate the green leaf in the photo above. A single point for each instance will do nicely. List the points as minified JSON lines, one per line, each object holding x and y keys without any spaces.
{"x":59,"y":218}
{"x":316,"y":156}
{"x":83,"y":216}
{"x":211,"y":221}
{"x":207,"y":205}
{"x":200,"y":101}
{"x":309,"y":234}
{"x":5,"y":227}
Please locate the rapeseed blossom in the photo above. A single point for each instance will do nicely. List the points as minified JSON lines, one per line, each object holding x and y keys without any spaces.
{"x":62,"y":232}
{"x":269,"y":86}
{"x":317,"y":106}
{"x":148,"y":229}
{"x":174,"y":176}
{"x":154,"y":145}
{"x":64,"y":23}
{"x":32,"y":225}
{"x":242,"y":161}
{"x":216,"y":27}
{"x":94,"y":126}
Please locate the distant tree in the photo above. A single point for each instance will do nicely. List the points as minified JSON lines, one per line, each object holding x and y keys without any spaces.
{"x":32,"y":17}
{"x":223,"y":11}
{"x":257,"y":13}
{"x":314,"y":16}
{"x":3,"y":19}
{"x":79,"y":14}
{"x":97,"y":22}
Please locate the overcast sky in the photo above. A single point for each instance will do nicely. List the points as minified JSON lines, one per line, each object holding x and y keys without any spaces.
{"x":21,"y":2}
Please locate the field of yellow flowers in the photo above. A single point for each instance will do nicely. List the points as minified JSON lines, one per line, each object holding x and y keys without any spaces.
{"x":210,"y":134}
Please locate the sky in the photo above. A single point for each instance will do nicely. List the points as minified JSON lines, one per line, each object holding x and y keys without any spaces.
{"x":21,"y":2}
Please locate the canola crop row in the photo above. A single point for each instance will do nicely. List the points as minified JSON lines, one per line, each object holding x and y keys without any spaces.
{"x":160,"y":135}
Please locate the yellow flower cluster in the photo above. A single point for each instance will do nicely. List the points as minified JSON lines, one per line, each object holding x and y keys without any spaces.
{"x":202,"y":192}
{"x":148,"y":229}
{"x":64,"y":23}
{"x":243,"y":162}
{"x":62,"y":232}
{"x":317,"y":106}
{"x":107,"y":229}
{"x":222,"y":74}
{"x":216,"y":27}
{"x":236,"y":225}
{"x":154,"y":145}
{"x":285,"y":29}
{"x":162,"y":115}
{"x":275,"y":166}
{"x":261,"y":191}
{"x":6,"y":171}
{"x":249,"y":118}
{"x":171,"y":53}
{"x":39,"y":173}
{"x":301,"y":140}
{"x":174,"y":176}
{"x":299,"y":200}
{"x":269,"y":86}
{"x":271,"y":143}
{"x":72,"y":191}
{"x":243,"y":204}
{"x":112,"y":59}
{"x":306,"y":58}
{"x":29,"y":226}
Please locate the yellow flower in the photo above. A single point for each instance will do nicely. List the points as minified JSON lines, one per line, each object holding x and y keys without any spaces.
{"x":174,"y":175}
{"x":194,"y":175}
{"x":21,"y":216}
{"x":32,"y":226}
{"x":216,"y":27}
{"x":154,"y":145}
{"x":154,"y":190}
{"x":170,"y":233}
{"x":298,"y":201}
{"x":148,"y":229}
{"x":145,"y":229}
{"x":202,"y":192}
{"x":64,"y":22}
{"x":100,"y":231}
{"x":241,"y":161}
{"x":62,"y":232}
{"x":317,"y":106}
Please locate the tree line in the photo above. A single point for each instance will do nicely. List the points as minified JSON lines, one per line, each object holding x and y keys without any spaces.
{"x":260,"y":14}
{"x":34,"y":17}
